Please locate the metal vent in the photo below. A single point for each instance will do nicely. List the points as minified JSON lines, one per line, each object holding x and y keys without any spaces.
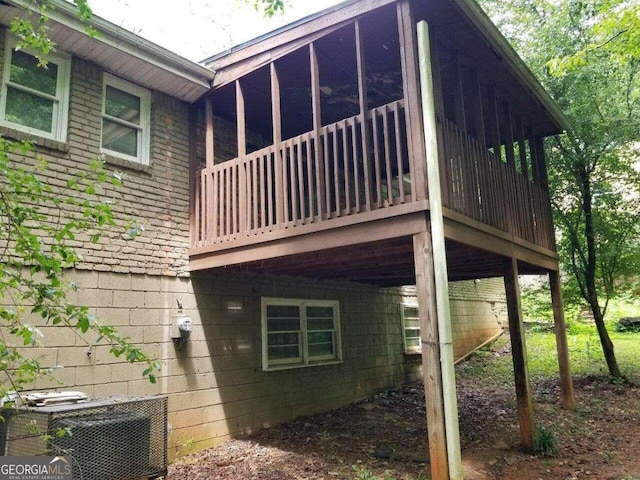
{"x":113,"y":438}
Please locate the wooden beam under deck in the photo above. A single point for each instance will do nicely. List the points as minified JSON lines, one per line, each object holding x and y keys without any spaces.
{"x":382,"y":255}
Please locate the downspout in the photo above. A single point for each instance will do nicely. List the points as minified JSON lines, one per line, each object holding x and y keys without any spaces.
{"x":439,"y":258}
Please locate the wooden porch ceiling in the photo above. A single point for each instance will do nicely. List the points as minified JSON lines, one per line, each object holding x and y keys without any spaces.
{"x":386,"y":263}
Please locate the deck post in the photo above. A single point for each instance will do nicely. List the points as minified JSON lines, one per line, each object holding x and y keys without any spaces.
{"x":321,"y":192}
{"x":566,"y":383}
{"x":458,"y":97}
{"x":522,"y":148}
{"x":193,"y":169}
{"x":277,"y":140}
{"x":242,"y":152}
{"x":431,"y":371}
{"x":438,"y":257}
{"x":413,"y":118}
{"x":494,"y":121}
{"x":476,"y":104}
{"x":209,"y":138}
{"x":519,"y":353}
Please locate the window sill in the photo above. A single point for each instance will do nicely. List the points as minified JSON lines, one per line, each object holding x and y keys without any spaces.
{"x":413,"y":356}
{"x":295,"y":367}
{"x":37,"y":140}
{"x":128,"y":164}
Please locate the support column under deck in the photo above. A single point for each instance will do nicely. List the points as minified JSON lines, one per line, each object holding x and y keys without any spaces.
{"x":566,"y":383}
{"x":519,"y":353}
{"x":431,"y":370}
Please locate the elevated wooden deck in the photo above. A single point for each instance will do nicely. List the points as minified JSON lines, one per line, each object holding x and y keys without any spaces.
{"x":333,"y":182}
{"x":312,"y":204}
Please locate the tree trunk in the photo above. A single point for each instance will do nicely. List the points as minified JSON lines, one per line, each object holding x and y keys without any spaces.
{"x":590,"y":278}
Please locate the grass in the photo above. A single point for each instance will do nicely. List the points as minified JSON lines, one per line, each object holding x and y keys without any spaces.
{"x":585,"y":354}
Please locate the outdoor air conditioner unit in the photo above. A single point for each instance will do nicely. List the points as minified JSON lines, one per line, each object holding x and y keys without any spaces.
{"x":111,"y":438}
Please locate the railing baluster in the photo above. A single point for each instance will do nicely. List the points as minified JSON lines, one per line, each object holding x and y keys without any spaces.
{"x":269,"y":201}
{"x":399,"y":159}
{"x":345,"y":165}
{"x":327,"y":174}
{"x":292,"y":179}
{"x":376,"y":159}
{"x":336,"y":171}
{"x":356,"y":175}
{"x":306,"y":148}
{"x":387,"y":155}
{"x":199,"y":206}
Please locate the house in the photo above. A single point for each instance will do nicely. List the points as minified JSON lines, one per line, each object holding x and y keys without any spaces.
{"x":314,"y":202}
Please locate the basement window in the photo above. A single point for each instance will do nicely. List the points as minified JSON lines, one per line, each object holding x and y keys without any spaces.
{"x":411,"y":328}
{"x":300,"y":333}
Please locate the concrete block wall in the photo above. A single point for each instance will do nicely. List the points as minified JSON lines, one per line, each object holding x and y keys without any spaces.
{"x":478,"y":312}
{"x":215,"y":381}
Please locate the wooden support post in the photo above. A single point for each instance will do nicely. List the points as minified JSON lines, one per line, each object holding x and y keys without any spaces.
{"x":413,"y":115}
{"x":364,"y":121}
{"x":508,"y":132}
{"x":533,"y":154}
{"x":436,"y":68}
{"x":476,"y":106}
{"x":522,"y":147}
{"x":243,"y":206}
{"x":277,"y":140}
{"x":193,"y":168}
{"x":566,"y":383}
{"x":209,"y":138}
{"x":519,"y":353}
{"x":431,"y":371}
{"x":441,"y":285}
{"x":458,"y":94}
{"x":322,"y":203}
{"x":494,"y":121}
{"x":542,"y":163}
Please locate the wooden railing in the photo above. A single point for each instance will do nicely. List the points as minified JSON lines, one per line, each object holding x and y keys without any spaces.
{"x":340,"y":170}
{"x":478,"y":185}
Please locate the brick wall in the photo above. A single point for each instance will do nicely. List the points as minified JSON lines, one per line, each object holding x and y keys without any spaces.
{"x":155,"y":197}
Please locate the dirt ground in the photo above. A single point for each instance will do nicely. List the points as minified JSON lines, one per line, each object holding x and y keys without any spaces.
{"x":600,"y":439}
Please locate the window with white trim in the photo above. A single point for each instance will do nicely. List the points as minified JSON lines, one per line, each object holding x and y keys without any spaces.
{"x":35,"y":98}
{"x":125,"y":120}
{"x":299,"y":333}
{"x":411,"y":328}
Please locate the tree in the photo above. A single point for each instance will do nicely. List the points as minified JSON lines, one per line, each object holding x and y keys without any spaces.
{"x":38,"y":225}
{"x":269,"y":7}
{"x":587,"y":53}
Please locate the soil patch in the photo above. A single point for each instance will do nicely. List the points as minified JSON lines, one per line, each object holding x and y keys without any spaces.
{"x":600,"y":439}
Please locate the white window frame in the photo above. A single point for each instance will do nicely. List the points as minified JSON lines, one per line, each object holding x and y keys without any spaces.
{"x":60,"y":99}
{"x":407,"y":349}
{"x":144,"y":129}
{"x":304,"y":360}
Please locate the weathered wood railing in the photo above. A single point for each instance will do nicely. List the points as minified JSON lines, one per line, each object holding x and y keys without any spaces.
{"x":343,"y":169}
{"x":478,"y":185}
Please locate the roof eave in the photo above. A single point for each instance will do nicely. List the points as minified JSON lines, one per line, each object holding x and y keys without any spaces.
{"x":66,"y":14}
